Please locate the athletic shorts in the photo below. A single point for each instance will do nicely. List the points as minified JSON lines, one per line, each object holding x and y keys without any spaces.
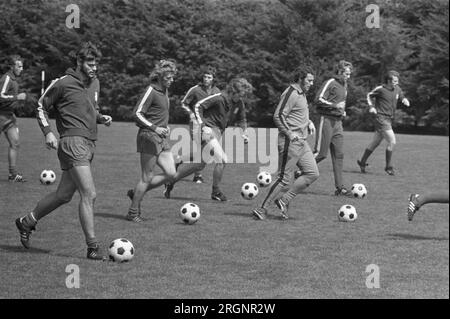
{"x":7,"y":121}
{"x":149,"y":142}
{"x":382,"y":123}
{"x":75,"y":151}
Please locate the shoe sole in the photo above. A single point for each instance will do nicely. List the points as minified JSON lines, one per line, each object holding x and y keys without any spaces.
{"x":218,"y":199}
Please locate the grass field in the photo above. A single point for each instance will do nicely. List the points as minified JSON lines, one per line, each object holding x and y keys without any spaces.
{"x":227,"y":254}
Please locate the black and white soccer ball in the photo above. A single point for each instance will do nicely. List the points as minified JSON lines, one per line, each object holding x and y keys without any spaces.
{"x":249,"y":191}
{"x":264,"y":179}
{"x":359,"y":190}
{"x":47,"y":177}
{"x":347,"y":213}
{"x":190,"y":213}
{"x":121,"y":250}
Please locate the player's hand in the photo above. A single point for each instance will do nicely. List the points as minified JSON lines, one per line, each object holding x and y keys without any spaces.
{"x":22,"y":96}
{"x":106,"y":120}
{"x":311,"y":128}
{"x":51,"y":141}
{"x":207,"y":130}
{"x":193,"y":118}
{"x":373,"y":110}
{"x":405,"y":102}
{"x":341,"y":105}
{"x":246,"y":138}
{"x":294,"y":137}
{"x":162,"y":131}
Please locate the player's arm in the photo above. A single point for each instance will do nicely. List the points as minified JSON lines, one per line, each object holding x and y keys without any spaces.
{"x":371,"y":96}
{"x":402,"y":98}
{"x":324,"y":96}
{"x":283,"y":109}
{"x":5,"y":83}
{"x":141,"y":108}
{"x":204,"y":104}
{"x":101,"y":119}
{"x":242,"y":120}
{"x":187,"y":100}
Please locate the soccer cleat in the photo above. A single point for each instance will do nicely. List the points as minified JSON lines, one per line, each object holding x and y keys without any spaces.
{"x":134,"y":218}
{"x":198,"y":179}
{"x":343,"y":192}
{"x":25,"y":232}
{"x":18,"y":178}
{"x":259,"y":213}
{"x":283,"y":207}
{"x":389,"y":171}
{"x":94,"y":253}
{"x":412,"y":206}
{"x":219,"y":196}
{"x":167,"y":189}
{"x":297,"y":174}
{"x":130,"y":194}
{"x":362,"y":166}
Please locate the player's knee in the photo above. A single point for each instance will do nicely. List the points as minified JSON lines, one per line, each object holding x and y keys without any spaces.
{"x":171,"y":174}
{"x":15,"y":145}
{"x":89,"y":195}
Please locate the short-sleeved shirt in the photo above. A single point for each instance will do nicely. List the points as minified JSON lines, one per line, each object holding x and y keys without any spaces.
{"x":386,"y":99}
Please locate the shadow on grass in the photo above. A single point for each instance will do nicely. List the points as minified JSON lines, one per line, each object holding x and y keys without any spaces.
{"x":413,"y":237}
{"x":20,"y":249}
{"x":357,"y":171}
{"x":107,"y":215}
{"x":249,"y":215}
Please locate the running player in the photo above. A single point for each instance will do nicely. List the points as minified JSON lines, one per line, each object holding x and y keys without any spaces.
{"x":74,"y":98}
{"x":292,"y":120}
{"x":386,"y":97}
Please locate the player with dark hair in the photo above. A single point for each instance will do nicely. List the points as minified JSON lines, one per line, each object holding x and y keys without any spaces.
{"x":193,"y":95}
{"x":152,"y":117}
{"x":213,"y":114}
{"x":418,"y":200}
{"x":386,"y":97}
{"x":291,"y":117}
{"x":74,"y":97}
{"x":9,"y":97}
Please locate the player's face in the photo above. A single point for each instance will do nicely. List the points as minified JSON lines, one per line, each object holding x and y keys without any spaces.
{"x":89,"y":68}
{"x":394,"y":81}
{"x":167,"y":79}
{"x":307,"y":82}
{"x":235,"y":97}
{"x":207,"y":79}
{"x":18,"y":68}
{"x":346,"y":74}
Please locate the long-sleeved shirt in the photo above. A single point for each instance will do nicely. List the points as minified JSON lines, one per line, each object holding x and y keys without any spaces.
{"x":216,"y":111}
{"x":292,"y":112}
{"x":152,"y":109}
{"x":9,"y":89}
{"x":76,"y":106}
{"x":195,"y":94}
{"x":385,"y":99}
{"x":330,"y":94}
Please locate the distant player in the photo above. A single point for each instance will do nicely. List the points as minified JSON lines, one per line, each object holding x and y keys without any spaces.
{"x":386,"y":97}
{"x":291,"y":117}
{"x":9,"y":97}
{"x":74,"y":97}
{"x":330,"y":105}
{"x":193,"y":95}
{"x":418,"y":200}
{"x":214,"y":113}
{"x":152,"y":117}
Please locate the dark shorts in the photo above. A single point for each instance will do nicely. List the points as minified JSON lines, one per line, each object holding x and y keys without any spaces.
{"x":382,"y":123}
{"x":149,"y":142}
{"x":7,"y":121}
{"x":75,"y":151}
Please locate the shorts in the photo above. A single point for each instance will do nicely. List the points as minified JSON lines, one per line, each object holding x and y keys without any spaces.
{"x":75,"y":151}
{"x":382,"y":123}
{"x":149,"y":142}
{"x":7,"y":121}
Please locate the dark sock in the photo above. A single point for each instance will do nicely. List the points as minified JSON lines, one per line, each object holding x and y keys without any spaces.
{"x":133,"y":212}
{"x":29,"y":220}
{"x":215,"y":189}
{"x":388,"y":158}
{"x":365,"y":156}
{"x":12,"y":170}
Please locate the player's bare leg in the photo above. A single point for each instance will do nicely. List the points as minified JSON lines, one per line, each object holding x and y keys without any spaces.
{"x":376,"y":140}
{"x":12,"y":135}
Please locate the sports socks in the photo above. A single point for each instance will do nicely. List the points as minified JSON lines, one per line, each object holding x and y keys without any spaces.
{"x":388,"y":158}
{"x":288,"y":196}
{"x":12,"y":170}
{"x":133,"y":212}
{"x":366,"y":155}
{"x":29,"y":220}
{"x":92,"y":242}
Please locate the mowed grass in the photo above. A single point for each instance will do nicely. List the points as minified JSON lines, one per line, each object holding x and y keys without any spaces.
{"x":227,"y":254}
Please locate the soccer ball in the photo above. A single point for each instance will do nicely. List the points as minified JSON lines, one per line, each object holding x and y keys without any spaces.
{"x":47,"y":177}
{"x":347,"y":213}
{"x":359,"y":190}
{"x":121,"y":250}
{"x":190,"y":213}
{"x":264,"y":179}
{"x":249,"y":191}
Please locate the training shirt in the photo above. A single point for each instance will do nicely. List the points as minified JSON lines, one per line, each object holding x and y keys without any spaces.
{"x":330,"y":94}
{"x":195,"y":94}
{"x":292,"y":112}
{"x":152,"y":109}
{"x":76,"y":106}
{"x":216,"y":111}
{"x":385,"y":99}
{"x":9,"y":89}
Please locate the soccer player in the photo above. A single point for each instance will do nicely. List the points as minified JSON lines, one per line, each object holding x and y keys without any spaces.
{"x":291,"y":117}
{"x":418,"y":200}
{"x":152,"y":117}
{"x":9,"y":97}
{"x":330,"y":105}
{"x":193,"y":95}
{"x":386,"y":97}
{"x":74,"y":97}
{"x":213,"y":114}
